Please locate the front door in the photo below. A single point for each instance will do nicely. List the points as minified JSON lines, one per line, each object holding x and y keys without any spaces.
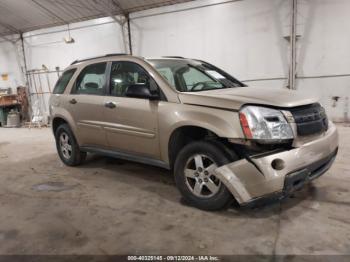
{"x":87,"y":104}
{"x":131,"y":123}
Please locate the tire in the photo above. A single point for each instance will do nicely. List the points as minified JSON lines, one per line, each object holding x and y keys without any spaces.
{"x":69,"y":153}
{"x":194,"y":183}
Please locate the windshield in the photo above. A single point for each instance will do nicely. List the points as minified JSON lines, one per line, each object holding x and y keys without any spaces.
{"x":193,"y":75}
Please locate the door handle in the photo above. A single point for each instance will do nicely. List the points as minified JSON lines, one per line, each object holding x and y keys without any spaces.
{"x":110,"y":105}
{"x":73,"y":101}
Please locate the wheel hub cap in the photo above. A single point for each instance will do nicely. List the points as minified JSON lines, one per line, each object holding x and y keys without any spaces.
{"x":200,"y":176}
{"x":65,"y":145}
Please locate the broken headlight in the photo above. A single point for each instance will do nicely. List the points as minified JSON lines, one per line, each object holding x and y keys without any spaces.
{"x":265,"y":124}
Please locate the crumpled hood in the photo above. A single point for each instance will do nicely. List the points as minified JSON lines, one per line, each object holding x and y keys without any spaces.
{"x":234,"y":98}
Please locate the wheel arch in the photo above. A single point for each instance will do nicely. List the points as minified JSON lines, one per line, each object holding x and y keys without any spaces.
{"x":185,"y":134}
{"x":59,"y":119}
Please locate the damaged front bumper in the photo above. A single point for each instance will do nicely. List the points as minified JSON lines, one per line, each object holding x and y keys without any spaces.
{"x":259,"y":177}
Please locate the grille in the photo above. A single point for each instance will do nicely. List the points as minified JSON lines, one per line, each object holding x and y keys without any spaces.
{"x":310,"y":119}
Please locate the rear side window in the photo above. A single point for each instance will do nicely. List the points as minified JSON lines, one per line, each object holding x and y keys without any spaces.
{"x":91,"y":80}
{"x":63,"y":81}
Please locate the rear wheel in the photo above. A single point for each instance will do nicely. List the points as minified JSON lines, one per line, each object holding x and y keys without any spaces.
{"x":195,"y":176}
{"x":67,"y":146}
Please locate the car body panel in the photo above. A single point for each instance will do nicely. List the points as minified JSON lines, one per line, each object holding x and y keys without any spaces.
{"x":249,"y":180}
{"x":173,"y":116}
{"x":87,"y":114}
{"x":59,"y":109}
{"x":234,"y":98}
{"x":132,"y":126}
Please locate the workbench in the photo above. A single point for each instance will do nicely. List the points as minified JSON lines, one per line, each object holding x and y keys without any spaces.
{"x":7,"y":103}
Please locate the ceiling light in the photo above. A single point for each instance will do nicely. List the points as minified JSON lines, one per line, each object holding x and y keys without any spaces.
{"x":68,"y":39}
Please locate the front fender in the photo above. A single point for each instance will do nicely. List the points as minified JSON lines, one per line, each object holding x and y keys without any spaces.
{"x":223,"y":123}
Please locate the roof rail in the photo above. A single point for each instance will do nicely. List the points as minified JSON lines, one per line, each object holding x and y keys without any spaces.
{"x":174,"y":57}
{"x":87,"y":59}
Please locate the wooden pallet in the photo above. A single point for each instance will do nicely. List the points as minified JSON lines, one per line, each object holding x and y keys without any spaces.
{"x":35,"y":125}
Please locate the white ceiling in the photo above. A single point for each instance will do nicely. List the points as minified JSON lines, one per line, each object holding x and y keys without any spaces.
{"x":18,"y":16}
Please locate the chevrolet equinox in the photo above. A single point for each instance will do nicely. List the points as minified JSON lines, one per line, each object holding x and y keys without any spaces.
{"x":222,"y":139}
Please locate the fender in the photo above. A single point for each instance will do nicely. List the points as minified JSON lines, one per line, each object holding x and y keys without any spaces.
{"x":172,"y":116}
{"x":63,"y":114}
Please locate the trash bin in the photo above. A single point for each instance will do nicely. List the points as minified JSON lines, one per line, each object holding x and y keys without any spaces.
{"x":13,"y":119}
{"x":4,"y":111}
{"x":3,"y":116}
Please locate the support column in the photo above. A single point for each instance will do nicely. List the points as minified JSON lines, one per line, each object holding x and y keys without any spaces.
{"x":25,"y":69}
{"x":129,"y":33}
{"x":293,"y":47}
{"x":24,"y":60}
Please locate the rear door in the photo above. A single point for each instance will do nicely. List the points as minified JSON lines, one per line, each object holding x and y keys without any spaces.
{"x":86,"y":103}
{"x":131,"y":123}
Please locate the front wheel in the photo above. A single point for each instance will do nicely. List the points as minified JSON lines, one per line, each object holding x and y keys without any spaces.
{"x":195,"y":176}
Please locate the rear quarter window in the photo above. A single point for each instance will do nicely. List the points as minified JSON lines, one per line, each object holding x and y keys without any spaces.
{"x":63,"y":81}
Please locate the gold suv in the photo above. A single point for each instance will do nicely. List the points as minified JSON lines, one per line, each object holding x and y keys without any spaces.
{"x":222,"y":139}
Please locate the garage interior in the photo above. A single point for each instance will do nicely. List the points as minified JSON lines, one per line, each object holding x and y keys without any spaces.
{"x":114,"y":207}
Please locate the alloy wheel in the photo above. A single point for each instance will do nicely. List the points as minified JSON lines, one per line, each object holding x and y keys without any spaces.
{"x":200,"y":176}
{"x":65,"y":145}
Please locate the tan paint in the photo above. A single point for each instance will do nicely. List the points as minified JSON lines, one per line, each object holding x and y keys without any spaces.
{"x":132,"y":126}
{"x":173,"y":115}
{"x":234,"y":98}
{"x":144,"y":127}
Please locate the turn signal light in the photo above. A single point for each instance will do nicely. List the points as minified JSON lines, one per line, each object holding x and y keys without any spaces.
{"x":245,"y":126}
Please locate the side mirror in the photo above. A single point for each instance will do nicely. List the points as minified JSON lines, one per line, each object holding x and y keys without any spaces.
{"x":141,"y":91}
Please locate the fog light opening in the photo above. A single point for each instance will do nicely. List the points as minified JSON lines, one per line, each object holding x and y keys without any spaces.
{"x":277,"y":164}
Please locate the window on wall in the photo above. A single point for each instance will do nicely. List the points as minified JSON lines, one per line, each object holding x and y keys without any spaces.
{"x":92,"y":80}
{"x":63,"y":81}
{"x":124,"y":74}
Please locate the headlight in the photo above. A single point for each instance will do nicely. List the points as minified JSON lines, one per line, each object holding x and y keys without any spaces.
{"x":265,"y":124}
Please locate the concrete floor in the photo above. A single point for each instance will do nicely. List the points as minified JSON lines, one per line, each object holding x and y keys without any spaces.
{"x":109,"y":206}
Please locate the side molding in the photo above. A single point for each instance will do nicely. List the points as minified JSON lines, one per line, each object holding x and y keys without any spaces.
{"x":126,"y":156}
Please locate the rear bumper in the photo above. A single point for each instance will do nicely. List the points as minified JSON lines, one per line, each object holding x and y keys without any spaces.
{"x":252,"y":180}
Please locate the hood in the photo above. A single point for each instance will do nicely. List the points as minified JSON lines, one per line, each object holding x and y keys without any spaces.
{"x":234,"y":98}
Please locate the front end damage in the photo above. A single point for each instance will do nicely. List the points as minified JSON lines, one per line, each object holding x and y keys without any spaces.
{"x":279,"y":174}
